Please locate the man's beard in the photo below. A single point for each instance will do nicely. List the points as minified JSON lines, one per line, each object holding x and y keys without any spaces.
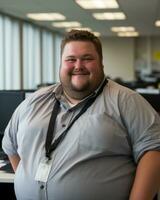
{"x":84,"y":88}
{"x":76,"y":92}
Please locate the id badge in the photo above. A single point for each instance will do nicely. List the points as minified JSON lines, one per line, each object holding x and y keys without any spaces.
{"x":43,"y":171}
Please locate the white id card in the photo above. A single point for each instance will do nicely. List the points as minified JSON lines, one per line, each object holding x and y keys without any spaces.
{"x":43,"y":171}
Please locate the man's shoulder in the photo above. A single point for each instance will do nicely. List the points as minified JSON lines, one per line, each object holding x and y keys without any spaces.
{"x":46,"y":89}
{"x":116,"y":93}
{"x":43,"y":93}
{"x":114,"y":87}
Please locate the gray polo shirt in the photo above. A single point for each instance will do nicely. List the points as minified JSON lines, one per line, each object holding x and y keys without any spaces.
{"x":97,"y":158}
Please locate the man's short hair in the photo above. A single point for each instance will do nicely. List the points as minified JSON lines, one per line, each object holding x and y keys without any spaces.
{"x":82,"y":35}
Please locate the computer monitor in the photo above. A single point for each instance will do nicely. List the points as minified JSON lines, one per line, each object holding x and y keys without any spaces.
{"x":153,"y":99}
{"x":9,"y":100}
{"x":28,"y":92}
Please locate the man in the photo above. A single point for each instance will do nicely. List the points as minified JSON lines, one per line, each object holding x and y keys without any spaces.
{"x":85,"y":138}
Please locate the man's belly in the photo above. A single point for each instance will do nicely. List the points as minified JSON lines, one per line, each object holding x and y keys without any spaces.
{"x":91,"y":180}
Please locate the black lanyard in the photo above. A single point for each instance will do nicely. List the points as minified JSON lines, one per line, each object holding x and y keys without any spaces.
{"x":49,"y":147}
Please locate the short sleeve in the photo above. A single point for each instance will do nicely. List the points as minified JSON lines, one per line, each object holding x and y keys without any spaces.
{"x":9,"y":141}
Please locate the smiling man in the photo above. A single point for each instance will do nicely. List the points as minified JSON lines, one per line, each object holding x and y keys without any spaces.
{"x":85,"y":138}
{"x":81,"y":69}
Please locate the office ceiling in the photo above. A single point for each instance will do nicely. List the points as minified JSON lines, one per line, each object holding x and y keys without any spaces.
{"x":140,"y":13}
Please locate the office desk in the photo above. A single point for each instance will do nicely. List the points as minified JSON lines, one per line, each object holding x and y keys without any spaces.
{"x":6,"y":185}
{"x":6,"y":177}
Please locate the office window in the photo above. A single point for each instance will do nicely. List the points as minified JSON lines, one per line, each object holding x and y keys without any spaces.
{"x":57,"y":44}
{"x":31,"y":56}
{"x":2,"y":68}
{"x":47,"y":57}
{"x":9,"y":53}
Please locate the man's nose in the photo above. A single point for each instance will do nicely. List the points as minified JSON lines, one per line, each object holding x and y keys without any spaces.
{"x":79,"y":64}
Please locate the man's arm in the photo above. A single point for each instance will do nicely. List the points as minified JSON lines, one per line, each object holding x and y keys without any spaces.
{"x":14,"y":161}
{"x":147,"y":179}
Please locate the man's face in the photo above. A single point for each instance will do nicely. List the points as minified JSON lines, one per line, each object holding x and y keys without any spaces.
{"x":81,"y":69}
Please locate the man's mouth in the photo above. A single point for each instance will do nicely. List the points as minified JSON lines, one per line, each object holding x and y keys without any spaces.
{"x":79,"y":74}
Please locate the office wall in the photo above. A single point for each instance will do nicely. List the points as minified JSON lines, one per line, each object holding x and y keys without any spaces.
{"x":119,"y":57}
{"x":147,"y":54}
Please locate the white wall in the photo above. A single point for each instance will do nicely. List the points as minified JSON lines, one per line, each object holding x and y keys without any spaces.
{"x":147,"y":54}
{"x":118,"y":57}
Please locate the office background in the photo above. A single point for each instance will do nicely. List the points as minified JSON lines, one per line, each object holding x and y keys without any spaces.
{"x":30,"y":50}
{"x":29,"y":55}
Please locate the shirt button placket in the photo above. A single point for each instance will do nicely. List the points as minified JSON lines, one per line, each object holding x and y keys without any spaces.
{"x":41,"y":187}
{"x":42,"y":191}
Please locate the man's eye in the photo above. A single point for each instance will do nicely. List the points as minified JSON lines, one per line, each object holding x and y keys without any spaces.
{"x":88,"y":58}
{"x":70,"y":60}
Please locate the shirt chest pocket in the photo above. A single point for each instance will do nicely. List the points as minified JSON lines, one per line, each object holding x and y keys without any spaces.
{"x":101,"y":133}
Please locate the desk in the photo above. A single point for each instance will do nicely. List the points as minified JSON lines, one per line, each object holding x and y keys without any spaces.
{"x":6,"y":184}
{"x":6,"y":177}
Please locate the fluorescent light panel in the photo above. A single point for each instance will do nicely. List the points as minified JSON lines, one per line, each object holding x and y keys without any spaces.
{"x":122,"y":28}
{"x":46,"y":16}
{"x":157,"y":23}
{"x":96,"y":34}
{"x":81,"y":28}
{"x":97,"y":4}
{"x":109,"y":16}
{"x":72,"y":24}
{"x":128,"y":34}
{"x":85,"y":29}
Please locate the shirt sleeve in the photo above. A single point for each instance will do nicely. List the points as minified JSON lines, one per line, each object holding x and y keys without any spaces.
{"x":9,"y":141}
{"x":142,"y":123}
{"x":10,"y":138}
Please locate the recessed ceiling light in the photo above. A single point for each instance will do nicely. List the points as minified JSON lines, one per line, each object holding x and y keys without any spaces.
{"x":85,"y":29}
{"x":157,"y":23}
{"x":46,"y":16}
{"x":96,"y":34}
{"x":128,"y":34}
{"x":110,"y":16}
{"x":122,"y":28}
{"x":81,"y":28}
{"x":97,"y":4}
{"x":72,"y":24}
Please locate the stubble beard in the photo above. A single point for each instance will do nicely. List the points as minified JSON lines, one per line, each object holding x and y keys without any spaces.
{"x":77,"y":92}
